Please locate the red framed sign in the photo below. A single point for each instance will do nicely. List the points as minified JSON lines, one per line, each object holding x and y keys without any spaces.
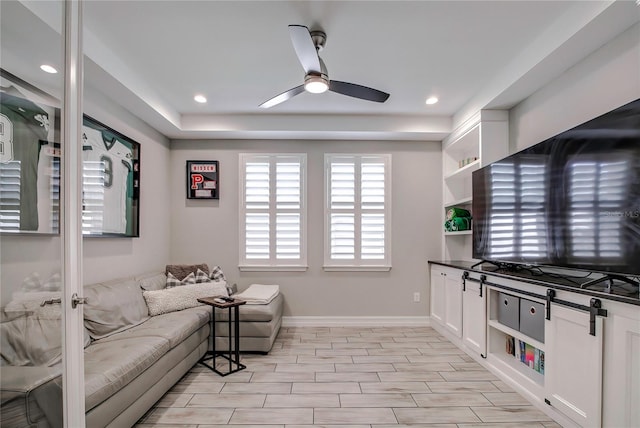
{"x":203,"y":180}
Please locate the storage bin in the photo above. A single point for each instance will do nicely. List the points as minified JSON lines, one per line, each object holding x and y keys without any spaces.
{"x":509,"y":310}
{"x":532,"y":319}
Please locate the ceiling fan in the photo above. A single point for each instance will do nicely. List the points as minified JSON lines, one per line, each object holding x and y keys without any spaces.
{"x":307,"y":45}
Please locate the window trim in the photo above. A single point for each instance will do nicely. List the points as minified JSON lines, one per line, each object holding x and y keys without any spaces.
{"x":357,"y":264}
{"x":272,"y":264}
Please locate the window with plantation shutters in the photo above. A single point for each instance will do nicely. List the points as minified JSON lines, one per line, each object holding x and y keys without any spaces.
{"x":519,"y":228}
{"x":357,"y":212}
{"x":273,"y":212}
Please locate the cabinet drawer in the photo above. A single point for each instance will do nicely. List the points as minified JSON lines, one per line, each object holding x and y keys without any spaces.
{"x":509,"y":310}
{"x":532,"y":319}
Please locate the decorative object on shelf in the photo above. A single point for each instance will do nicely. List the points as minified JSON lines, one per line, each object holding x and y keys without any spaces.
{"x":111,"y":182}
{"x":466,"y":161}
{"x":29,"y":158}
{"x":203,"y":180}
{"x":458,"y":219}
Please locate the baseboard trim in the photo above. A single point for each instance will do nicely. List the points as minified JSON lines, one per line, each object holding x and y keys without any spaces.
{"x":316,"y":321}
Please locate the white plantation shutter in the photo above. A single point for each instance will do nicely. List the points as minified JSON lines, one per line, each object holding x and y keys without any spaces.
{"x":357,"y":211}
{"x":273,"y":212}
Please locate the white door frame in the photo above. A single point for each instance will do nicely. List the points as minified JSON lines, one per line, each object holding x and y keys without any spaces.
{"x":71,"y":227}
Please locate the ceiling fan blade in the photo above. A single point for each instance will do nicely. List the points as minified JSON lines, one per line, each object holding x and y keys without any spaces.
{"x":282,"y":97}
{"x":305,"y":49}
{"x":358,"y":91}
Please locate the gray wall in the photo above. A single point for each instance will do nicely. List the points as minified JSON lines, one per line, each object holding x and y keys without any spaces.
{"x":104,"y":258}
{"x":151,"y":250}
{"x":606,"y":79}
{"x":207,"y":231}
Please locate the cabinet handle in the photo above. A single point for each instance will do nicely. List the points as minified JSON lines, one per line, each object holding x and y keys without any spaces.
{"x":532,"y":310}
{"x":483,"y":278}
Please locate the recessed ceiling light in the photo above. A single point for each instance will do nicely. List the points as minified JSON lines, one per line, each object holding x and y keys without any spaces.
{"x":200,"y":99}
{"x":48,"y":69}
{"x":431,"y":100}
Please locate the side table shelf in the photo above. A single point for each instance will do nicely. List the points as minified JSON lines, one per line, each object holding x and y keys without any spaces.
{"x":233,"y":354}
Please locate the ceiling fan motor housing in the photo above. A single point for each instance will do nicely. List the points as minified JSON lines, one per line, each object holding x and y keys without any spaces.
{"x":319,"y":38}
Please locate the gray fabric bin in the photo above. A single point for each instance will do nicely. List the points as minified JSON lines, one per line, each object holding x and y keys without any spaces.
{"x":509,"y":310}
{"x":532,"y":319}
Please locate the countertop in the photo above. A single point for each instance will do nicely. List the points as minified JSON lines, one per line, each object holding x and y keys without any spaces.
{"x":545,"y":277}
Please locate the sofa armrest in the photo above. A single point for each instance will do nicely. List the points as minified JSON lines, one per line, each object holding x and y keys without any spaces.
{"x":30,"y":391}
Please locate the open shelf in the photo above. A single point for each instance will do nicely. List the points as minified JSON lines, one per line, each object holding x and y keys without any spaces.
{"x":464,"y":172}
{"x":462,"y":201}
{"x":460,"y":233}
{"x":516,"y":334}
{"x":525,"y":371}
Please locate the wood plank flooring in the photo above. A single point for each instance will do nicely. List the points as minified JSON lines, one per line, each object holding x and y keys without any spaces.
{"x":369,"y":377}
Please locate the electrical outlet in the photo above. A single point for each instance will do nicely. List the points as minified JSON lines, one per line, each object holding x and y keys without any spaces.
{"x":416,"y":297}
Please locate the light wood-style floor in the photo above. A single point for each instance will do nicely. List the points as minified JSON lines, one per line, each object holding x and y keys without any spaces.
{"x":373,"y":377}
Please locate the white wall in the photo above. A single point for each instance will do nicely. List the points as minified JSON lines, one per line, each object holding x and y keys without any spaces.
{"x":207,"y":231}
{"x":606,"y":79}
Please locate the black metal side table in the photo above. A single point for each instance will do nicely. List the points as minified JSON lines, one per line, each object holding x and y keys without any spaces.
{"x":235,"y":305}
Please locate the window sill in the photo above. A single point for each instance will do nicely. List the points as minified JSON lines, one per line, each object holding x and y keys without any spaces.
{"x":258,"y":268}
{"x":348,"y":268}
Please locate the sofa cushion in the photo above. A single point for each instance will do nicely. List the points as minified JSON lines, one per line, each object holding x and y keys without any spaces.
{"x":256,"y":312}
{"x":152,"y":281}
{"x":181,"y":271}
{"x":110,"y":365}
{"x":179,"y":298}
{"x":174,"y":326}
{"x":112,"y":307}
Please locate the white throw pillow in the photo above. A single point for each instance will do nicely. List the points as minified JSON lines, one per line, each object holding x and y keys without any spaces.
{"x":184,"y":297}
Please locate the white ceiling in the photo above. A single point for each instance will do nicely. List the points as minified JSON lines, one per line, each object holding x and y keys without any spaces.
{"x":152,"y":57}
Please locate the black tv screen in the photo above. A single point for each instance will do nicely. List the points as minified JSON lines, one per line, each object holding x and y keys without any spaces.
{"x":570,"y":201}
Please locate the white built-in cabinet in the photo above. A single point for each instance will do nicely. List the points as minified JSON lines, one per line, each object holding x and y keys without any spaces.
{"x":482,"y":139}
{"x":573,"y":373}
{"x":591,"y":365}
{"x":621,"y":377}
{"x":446,"y":298}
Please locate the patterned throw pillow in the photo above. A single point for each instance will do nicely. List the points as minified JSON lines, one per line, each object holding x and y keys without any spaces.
{"x":202,"y":276}
{"x":172,"y":281}
{"x":217,"y":274}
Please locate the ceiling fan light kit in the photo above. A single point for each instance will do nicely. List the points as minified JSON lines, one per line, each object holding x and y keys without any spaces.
{"x":307,"y":45}
{"x":316,"y":84}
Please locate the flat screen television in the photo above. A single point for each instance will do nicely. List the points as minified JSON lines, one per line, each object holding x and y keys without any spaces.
{"x":571,"y":201}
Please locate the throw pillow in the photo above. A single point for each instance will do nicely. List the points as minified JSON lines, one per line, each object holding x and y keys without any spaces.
{"x":152,"y":281}
{"x":217,"y":274}
{"x":172,"y":281}
{"x":181,"y":271}
{"x":179,"y":298}
{"x":34,"y":283}
{"x":202,"y":276}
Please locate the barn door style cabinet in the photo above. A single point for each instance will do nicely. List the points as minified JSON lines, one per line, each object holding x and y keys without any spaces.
{"x":573,"y":355}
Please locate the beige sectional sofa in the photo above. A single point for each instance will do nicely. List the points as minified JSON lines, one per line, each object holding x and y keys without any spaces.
{"x":131,"y":360}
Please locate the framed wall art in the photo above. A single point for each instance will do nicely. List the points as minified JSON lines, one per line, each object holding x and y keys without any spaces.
{"x":203,"y":180}
{"x":30,"y":152}
{"x":110,"y":182}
